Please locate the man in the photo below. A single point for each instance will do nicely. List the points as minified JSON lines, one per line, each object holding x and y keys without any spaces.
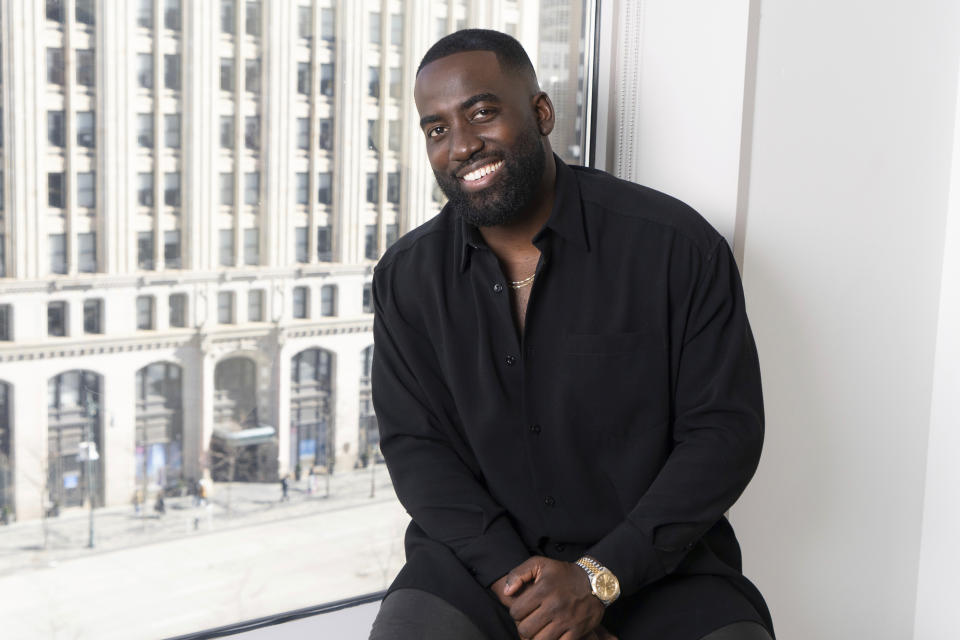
{"x":566,"y":385}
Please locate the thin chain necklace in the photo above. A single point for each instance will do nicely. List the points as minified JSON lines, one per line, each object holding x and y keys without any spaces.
{"x":520,"y":284}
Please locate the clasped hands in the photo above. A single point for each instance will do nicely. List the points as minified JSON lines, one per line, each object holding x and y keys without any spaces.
{"x":551,"y":600}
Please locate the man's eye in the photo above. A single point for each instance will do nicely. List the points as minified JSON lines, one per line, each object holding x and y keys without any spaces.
{"x":436,"y":131}
{"x":482,"y":113}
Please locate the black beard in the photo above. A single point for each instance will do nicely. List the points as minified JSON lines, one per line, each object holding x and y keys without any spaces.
{"x":504,"y":201}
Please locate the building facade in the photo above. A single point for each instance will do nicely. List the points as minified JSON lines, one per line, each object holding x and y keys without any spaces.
{"x":194,"y":195}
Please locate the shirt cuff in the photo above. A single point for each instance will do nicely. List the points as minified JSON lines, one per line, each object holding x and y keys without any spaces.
{"x":630,"y":555}
{"x":493,"y":554}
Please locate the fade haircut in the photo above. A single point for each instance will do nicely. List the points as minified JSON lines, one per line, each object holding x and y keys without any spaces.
{"x":509,"y":52}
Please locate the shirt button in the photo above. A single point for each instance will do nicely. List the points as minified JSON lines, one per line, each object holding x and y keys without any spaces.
{"x":549,"y":501}
{"x":510,"y":360}
{"x":498,"y":288}
{"x":535,"y":428}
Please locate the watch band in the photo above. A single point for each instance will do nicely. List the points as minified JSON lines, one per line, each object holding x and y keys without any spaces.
{"x":597,"y":572}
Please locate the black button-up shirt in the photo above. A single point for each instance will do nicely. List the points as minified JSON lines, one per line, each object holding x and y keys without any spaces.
{"x":623,"y":422}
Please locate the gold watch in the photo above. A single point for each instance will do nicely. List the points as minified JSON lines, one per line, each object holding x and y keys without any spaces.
{"x":602,"y":581}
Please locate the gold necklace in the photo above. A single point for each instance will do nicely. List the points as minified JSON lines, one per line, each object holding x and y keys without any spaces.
{"x":520,"y":284}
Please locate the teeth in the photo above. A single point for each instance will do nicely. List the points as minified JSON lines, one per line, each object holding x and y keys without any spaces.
{"x":482,"y":171}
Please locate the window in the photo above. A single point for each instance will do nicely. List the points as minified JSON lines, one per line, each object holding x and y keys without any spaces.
{"x":326,"y":133}
{"x":54,"y":65}
{"x":226,"y":132}
{"x":178,"y":309}
{"x":373,"y":187}
{"x":324,"y":188}
{"x":87,"y":252}
{"x":324,"y":244}
{"x":226,"y":189}
{"x":373,"y":82}
{"x":145,"y":130}
{"x":374,"y":27}
{"x":57,"y":319}
{"x":228,"y":16}
{"x":145,"y":14}
{"x":171,"y":249}
{"x":301,"y":302}
{"x":145,"y":313}
{"x":393,"y":135}
{"x":6,"y":322}
{"x":255,"y":305}
{"x":392,"y":233}
{"x":86,"y":129}
{"x":145,"y":189}
{"x":171,"y":14}
{"x":92,"y":316}
{"x":145,"y":70}
{"x":254,"y":18}
{"x":171,"y":189}
{"x":326,"y":80}
{"x":328,"y":300}
{"x":55,"y":190}
{"x":225,"y":307}
{"x":301,"y":249}
{"x":251,"y":188}
{"x":226,"y":248}
{"x":55,"y":10}
{"x":86,"y":68}
{"x":253,"y":75}
{"x":226,"y":74}
{"x":396,"y":76}
{"x":171,"y":71}
{"x":370,"y":242}
{"x":396,"y":30}
{"x":327,"y":26}
{"x":251,"y":246}
{"x":87,"y":190}
{"x":303,"y":133}
{"x":373,"y":135}
{"x":171,"y":130}
{"x":393,"y":187}
{"x":304,"y":22}
{"x":251,"y":132}
{"x":55,"y":130}
{"x":367,"y":297}
{"x":145,"y":250}
{"x":303,"y":188}
{"x":303,"y":77}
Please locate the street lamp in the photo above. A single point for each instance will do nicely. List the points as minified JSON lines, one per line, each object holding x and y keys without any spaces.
{"x":88,"y":453}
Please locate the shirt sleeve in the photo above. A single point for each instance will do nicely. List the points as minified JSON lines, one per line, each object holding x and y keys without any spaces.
{"x":717,"y":432}
{"x":435,"y":476}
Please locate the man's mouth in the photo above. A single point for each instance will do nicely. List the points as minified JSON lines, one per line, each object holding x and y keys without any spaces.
{"x":482,"y":172}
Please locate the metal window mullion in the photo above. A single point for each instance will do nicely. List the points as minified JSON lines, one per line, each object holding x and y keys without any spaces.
{"x":239,"y":127}
{"x":69,"y":184}
{"x":313,"y":163}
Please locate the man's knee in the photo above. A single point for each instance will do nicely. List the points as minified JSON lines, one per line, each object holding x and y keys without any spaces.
{"x":412,"y":614}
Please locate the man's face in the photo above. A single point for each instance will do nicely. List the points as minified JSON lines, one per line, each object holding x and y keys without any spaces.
{"x":482,"y":136}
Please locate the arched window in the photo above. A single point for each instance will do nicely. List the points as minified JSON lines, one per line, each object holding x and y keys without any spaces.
{"x":159,"y":425}
{"x":369,"y":436}
{"x":311,"y":417}
{"x":235,"y":404}
{"x":74,"y":468}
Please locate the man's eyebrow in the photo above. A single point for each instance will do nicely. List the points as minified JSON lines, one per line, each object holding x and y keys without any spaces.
{"x":466,"y":104}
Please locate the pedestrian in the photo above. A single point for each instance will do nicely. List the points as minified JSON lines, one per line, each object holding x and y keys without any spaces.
{"x":159,"y":506}
{"x":137,"y":501}
{"x":312,"y":481}
{"x":285,"y":487}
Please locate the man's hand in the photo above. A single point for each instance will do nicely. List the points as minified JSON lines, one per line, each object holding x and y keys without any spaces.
{"x":551,"y":600}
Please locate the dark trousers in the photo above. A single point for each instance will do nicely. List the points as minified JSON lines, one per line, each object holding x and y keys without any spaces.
{"x":411,"y":614}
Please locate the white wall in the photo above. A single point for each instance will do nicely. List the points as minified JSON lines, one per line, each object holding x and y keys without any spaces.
{"x":842,"y":175}
{"x":842,"y":264}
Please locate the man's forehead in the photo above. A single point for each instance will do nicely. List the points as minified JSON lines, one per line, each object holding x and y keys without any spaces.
{"x":459,"y":73}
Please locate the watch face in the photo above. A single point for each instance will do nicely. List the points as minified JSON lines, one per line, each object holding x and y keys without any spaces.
{"x":607,"y":586}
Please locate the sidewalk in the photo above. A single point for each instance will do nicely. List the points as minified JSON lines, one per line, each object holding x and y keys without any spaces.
{"x":25,"y":545}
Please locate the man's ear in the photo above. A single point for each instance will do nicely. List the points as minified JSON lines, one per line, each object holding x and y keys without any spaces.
{"x":543,"y":112}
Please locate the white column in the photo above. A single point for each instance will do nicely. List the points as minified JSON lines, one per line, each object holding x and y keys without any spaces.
{"x":346,"y":409}
{"x":118,"y":418}
{"x":29,"y":422}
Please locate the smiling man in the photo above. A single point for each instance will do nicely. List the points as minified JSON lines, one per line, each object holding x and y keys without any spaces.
{"x":566,"y":384}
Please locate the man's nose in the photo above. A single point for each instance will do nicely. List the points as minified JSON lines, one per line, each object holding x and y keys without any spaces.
{"x":465,"y":143}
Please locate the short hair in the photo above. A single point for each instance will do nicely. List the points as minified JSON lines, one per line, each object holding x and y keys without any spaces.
{"x":509,"y":52}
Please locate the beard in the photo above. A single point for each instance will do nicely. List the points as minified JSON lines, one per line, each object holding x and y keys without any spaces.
{"x":505,"y":200}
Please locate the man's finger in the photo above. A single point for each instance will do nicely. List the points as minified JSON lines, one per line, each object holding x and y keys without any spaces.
{"x":520,"y":575}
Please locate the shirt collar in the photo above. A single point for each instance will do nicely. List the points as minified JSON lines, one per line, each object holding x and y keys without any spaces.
{"x":566,"y":219}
